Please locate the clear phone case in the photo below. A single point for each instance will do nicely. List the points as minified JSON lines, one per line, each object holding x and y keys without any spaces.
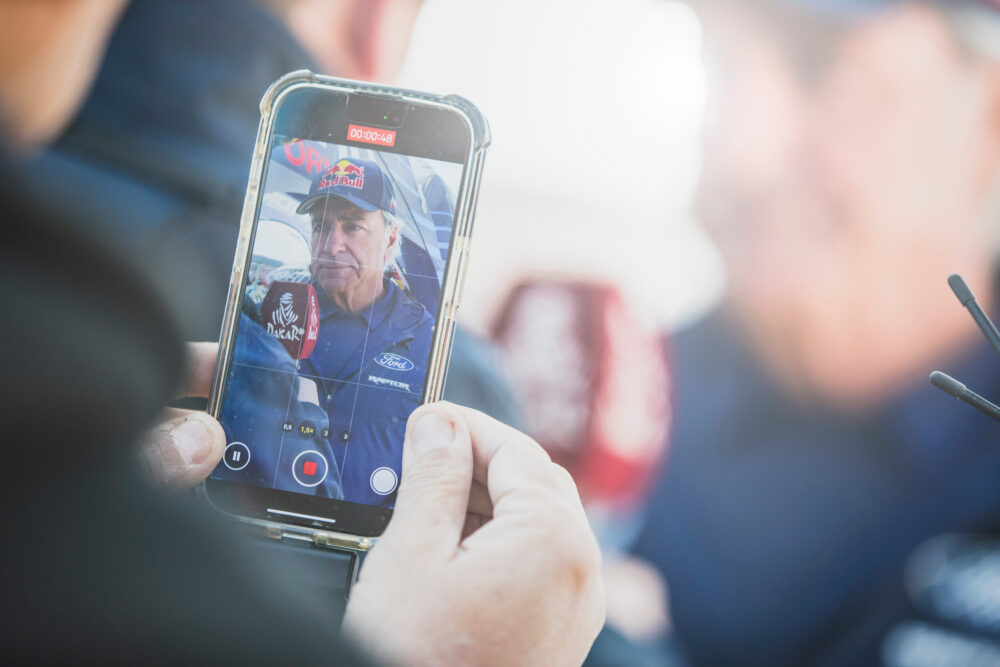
{"x":453,"y":281}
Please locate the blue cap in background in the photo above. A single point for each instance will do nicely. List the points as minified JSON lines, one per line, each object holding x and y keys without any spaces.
{"x":841,"y":7}
{"x":853,"y":8}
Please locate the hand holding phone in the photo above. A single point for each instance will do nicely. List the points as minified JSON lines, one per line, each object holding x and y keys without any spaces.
{"x":184,"y":446}
{"x":488,"y":559}
{"x":488,"y":541}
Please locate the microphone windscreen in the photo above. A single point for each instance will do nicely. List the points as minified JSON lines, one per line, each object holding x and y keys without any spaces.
{"x":947,"y":384}
{"x":960,"y":289}
{"x":290,"y":313}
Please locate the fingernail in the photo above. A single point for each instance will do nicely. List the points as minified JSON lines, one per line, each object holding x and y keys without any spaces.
{"x":431,"y":432}
{"x":192,"y":440}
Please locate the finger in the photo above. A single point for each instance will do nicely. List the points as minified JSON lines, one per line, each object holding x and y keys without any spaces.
{"x":183,"y":448}
{"x":200,"y":370}
{"x":508,"y":461}
{"x":479,"y":499}
{"x":499,"y":449}
{"x":434,"y":488}
{"x":473,"y":522}
{"x":489,"y":436}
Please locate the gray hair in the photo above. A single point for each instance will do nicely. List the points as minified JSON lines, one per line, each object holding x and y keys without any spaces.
{"x":392,"y":222}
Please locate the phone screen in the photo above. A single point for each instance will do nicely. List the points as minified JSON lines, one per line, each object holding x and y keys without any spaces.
{"x":340,"y":300}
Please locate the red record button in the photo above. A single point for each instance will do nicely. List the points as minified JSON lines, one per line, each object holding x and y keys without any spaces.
{"x":310,"y":468}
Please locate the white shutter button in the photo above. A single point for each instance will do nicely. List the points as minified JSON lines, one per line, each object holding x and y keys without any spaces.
{"x":384,"y":481}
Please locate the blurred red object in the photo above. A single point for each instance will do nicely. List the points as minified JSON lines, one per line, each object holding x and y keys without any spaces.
{"x":593,"y":382}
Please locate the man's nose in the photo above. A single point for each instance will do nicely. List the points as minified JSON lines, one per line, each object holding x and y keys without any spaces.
{"x":333,"y":240}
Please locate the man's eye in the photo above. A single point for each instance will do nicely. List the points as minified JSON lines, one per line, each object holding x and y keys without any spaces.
{"x":353,"y":227}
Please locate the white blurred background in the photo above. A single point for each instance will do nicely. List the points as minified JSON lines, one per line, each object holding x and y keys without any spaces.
{"x":595,"y":108}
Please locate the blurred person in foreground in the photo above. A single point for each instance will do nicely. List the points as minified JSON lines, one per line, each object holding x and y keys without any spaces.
{"x":167,"y":136}
{"x":97,"y":564}
{"x":852,"y":162}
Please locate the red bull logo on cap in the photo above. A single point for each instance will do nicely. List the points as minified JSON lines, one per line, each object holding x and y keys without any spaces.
{"x":344,"y":173}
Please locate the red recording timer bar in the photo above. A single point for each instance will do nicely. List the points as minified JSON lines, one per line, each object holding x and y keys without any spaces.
{"x":371,"y":135}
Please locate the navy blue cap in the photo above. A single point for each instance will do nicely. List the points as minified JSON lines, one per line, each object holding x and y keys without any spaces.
{"x":360,"y":182}
{"x":841,"y":7}
{"x":850,"y":8}
{"x":844,"y":7}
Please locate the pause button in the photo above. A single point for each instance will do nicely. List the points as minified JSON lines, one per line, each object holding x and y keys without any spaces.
{"x":237,"y":456}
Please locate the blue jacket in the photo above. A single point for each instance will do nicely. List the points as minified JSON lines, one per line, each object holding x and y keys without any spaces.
{"x":371,"y":369}
{"x":264,"y":411}
{"x":783,"y":530}
{"x":368,"y":370}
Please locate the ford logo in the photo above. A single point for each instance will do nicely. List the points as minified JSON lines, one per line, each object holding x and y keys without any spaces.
{"x":394,"y":362}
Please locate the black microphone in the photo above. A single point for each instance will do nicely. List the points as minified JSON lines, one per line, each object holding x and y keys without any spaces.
{"x":968,"y":300}
{"x":953,"y":387}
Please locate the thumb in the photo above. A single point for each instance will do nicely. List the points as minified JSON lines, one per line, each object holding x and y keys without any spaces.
{"x":433,"y":495}
{"x":183,"y":448}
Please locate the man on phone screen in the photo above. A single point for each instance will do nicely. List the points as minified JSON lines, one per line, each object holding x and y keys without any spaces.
{"x":369,"y":360}
{"x":374,"y":340}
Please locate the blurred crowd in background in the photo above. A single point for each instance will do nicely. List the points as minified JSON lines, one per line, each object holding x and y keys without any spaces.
{"x":708,"y":275}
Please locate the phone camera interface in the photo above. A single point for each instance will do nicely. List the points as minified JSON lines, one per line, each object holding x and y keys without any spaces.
{"x":335,"y":332}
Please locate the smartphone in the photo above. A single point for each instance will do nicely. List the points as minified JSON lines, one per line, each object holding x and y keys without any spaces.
{"x":352,"y":253}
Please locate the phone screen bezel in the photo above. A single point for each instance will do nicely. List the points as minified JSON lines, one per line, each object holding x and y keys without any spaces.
{"x":322,"y":112}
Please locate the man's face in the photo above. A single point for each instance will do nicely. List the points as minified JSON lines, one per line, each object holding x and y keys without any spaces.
{"x":845,"y":177}
{"x":358,"y":39}
{"x":350,"y":248}
{"x":49,"y":53}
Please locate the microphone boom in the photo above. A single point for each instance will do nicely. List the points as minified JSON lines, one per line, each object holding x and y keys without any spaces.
{"x":953,"y":387}
{"x":950,"y":385}
{"x":968,"y":299}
